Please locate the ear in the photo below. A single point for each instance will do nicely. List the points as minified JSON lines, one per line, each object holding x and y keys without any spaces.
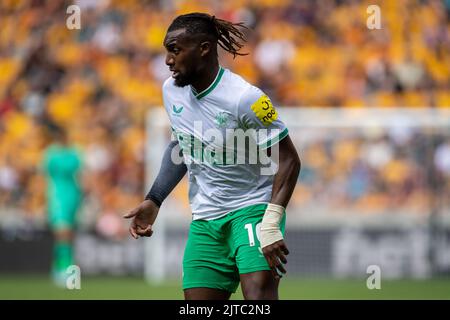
{"x":205,"y":48}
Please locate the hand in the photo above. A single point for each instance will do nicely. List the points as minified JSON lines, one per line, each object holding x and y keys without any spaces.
{"x":275,"y":255}
{"x":143,"y":216}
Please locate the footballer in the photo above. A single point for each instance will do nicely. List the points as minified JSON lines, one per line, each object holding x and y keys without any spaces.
{"x":238,"y":213}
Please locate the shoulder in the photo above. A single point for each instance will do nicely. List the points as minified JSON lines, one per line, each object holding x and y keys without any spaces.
{"x":240,"y":89}
{"x":234,"y":83}
{"x":255,"y":107}
{"x":237,"y":90}
{"x":250,"y":96}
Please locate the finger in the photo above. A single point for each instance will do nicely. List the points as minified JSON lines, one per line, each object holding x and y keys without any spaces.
{"x":275,"y":274}
{"x":282,"y":257}
{"x":284,"y":248}
{"x":276,"y":263}
{"x":131,"y":214}
{"x":281,"y":268}
{"x":142,"y":231}
{"x":132,"y":229}
{"x":133,"y":232}
{"x":145,"y":232}
{"x":271,"y":263}
{"x":269,"y":260}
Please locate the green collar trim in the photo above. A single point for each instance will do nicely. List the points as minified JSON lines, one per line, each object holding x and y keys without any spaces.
{"x":211,"y":86}
{"x":274,"y":140}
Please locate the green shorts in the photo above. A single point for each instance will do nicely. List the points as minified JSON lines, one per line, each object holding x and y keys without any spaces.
{"x":218,"y":250}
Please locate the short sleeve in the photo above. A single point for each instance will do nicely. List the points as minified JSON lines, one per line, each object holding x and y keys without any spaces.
{"x":168,"y":108}
{"x":165,"y":100}
{"x":256,"y":111}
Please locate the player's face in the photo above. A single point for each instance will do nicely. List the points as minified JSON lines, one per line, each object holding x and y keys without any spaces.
{"x":182,"y":57}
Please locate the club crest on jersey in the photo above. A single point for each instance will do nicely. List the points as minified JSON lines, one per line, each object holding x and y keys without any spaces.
{"x":221,"y":119}
{"x":177,"y":111}
{"x":264,"y":110}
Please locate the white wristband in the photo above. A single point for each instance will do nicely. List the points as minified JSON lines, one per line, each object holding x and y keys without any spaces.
{"x":270,"y":226}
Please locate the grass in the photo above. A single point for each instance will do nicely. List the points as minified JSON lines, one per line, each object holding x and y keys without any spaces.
{"x":123,"y":288}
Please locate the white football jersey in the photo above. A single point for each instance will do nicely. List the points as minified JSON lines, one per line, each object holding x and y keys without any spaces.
{"x":224,"y":173}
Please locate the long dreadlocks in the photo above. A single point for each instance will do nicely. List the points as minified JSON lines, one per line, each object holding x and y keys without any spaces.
{"x":223,"y":32}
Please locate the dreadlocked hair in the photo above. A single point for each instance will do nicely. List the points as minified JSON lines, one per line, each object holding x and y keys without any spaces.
{"x":225,"y":33}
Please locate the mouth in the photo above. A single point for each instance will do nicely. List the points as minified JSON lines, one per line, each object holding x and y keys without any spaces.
{"x":175,"y":74}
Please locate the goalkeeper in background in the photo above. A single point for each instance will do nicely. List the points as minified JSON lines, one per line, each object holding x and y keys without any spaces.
{"x":237,"y":232}
{"x":61,"y":167}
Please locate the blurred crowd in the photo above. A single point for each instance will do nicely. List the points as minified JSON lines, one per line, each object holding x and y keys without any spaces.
{"x":394,"y":171}
{"x":98,"y":83}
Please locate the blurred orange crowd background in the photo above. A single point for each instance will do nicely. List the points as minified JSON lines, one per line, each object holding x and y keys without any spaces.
{"x":98,"y":82}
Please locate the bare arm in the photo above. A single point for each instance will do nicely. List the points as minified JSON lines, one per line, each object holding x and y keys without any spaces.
{"x":288,"y":171}
{"x":272,"y":242}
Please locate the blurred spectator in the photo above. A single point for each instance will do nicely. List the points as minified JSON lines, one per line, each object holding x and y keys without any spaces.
{"x":62,"y":166}
{"x":442,"y":158}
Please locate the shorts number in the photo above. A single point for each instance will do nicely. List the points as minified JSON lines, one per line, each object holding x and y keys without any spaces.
{"x":251,"y":237}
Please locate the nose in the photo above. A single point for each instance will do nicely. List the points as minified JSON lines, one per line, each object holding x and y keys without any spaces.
{"x":170,"y":61}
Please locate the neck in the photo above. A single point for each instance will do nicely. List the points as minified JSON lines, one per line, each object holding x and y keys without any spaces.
{"x":205,"y":78}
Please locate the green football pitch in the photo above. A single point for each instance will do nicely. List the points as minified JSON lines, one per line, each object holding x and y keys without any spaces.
{"x":40,"y":287}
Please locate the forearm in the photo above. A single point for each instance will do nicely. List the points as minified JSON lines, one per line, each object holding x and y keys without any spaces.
{"x":286,"y":178}
{"x":283,"y":186}
{"x":285,"y":181}
{"x":170,"y":174}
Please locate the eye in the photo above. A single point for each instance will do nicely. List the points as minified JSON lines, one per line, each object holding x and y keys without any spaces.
{"x":173,"y":49}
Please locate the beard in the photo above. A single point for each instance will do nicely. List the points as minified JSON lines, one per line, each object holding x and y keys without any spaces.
{"x":183,"y":80}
